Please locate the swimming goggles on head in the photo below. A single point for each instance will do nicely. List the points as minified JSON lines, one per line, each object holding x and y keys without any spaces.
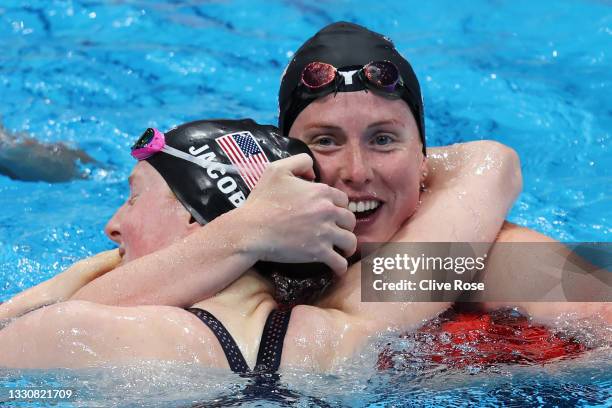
{"x":153,"y":141}
{"x":379,"y":76}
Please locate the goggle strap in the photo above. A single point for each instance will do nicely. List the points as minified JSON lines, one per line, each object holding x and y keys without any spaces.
{"x":199,"y":161}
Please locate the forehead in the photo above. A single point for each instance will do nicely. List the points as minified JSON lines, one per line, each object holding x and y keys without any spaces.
{"x":356,"y":108}
{"x":138,"y":174}
{"x":145,"y":176}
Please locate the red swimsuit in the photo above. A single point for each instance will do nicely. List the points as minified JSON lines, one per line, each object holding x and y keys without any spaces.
{"x":481,"y":338}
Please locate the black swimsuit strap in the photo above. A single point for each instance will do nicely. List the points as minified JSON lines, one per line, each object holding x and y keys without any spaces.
{"x":271,"y":344}
{"x":235,"y":359}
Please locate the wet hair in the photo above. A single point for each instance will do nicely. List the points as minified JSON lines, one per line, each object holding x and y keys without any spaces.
{"x":345,"y":45}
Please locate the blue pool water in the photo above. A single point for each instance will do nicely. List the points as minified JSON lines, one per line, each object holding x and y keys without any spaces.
{"x":533,"y":75}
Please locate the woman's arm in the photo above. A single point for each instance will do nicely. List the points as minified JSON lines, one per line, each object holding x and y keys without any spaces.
{"x":83,"y":334}
{"x":542,"y":267}
{"x":62,"y":286}
{"x":470,"y":189}
{"x":24,"y":158}
{"x":276,"y":223}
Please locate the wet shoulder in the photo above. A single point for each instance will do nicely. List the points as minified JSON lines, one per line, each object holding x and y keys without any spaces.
{"x":320,"y":339}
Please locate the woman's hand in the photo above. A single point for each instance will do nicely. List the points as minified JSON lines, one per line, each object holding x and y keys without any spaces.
{"x":291,"y":220}
{"x":61,"y":286}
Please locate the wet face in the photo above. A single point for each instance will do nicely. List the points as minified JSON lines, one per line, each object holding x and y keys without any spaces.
{"x":369,"y":147}
{"x":151,"y":218}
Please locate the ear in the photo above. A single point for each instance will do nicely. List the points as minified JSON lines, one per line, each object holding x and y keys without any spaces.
{"x":424,"y":171}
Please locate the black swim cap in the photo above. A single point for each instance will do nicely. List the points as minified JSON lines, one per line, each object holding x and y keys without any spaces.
{"x":209,"y":192}
{"x":345,"y":45}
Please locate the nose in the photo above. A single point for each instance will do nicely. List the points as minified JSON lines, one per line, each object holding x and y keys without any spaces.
{"x":356,"y":168}
{"x":112,"y":228}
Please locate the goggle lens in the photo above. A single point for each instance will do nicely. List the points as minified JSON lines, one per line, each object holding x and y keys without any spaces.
{"x":383,"y":74}
{"x":144,"y":140}
{"x":318,"y":74}
{"x":151,"y":142}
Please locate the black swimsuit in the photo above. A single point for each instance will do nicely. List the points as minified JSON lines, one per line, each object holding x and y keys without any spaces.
{"x":270,"y":346}
{"x":264,"y":383}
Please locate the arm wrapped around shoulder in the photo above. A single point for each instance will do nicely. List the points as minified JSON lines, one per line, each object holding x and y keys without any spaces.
{"x":489,"y":155}
{"x":62,"y":286}
{"x":468,"y":191}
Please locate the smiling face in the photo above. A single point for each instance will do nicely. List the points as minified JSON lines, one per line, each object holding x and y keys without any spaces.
{"x":151,"y":218}
{"x":369,"y":147}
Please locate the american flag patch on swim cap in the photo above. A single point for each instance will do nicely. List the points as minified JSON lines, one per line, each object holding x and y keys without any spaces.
{"x":245,"y":153}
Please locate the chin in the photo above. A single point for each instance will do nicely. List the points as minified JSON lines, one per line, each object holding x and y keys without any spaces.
{"x":373,"y":237}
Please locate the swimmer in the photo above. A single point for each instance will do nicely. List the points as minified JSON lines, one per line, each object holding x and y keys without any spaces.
{"x":400,"y":316}
{"x":241,"y":328}
{"x":451,"y":172}
{"x":356,"y":102}
{"x":423,"y":225}
{"x":24,"y":158}
{"x":489,"y":195}
{"x":222,"y":331}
